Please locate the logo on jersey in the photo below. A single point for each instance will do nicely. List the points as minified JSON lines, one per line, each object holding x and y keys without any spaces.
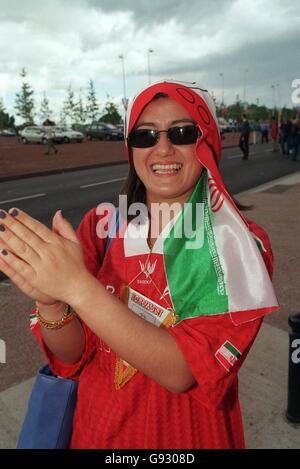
{"x":147,"y":268}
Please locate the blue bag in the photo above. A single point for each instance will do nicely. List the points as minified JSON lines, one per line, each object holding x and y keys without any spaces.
{"x":49,"y":418}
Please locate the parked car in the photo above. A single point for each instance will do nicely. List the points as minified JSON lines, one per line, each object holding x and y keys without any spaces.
{"x":121,"y":128}
{"x":36,"y":134}
{"x":103,"y":131}
{"x":68,"y":135}
{"x":8,"y":133}
{"x":223,"y":124}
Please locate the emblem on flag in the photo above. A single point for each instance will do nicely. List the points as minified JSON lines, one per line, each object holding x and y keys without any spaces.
{"x":227,"y":355}
{"x":216,"y":196}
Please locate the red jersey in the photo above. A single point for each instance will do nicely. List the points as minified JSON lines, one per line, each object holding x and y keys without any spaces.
{"x":141,"y":413}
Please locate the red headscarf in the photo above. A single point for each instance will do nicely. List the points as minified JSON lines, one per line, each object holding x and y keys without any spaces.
{"x":198,"y":102}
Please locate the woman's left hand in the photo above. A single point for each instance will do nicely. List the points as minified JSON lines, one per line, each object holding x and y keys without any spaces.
{"x":47,"y":261}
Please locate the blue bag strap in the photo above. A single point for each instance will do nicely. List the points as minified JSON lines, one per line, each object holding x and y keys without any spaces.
{"x":113,"y":229}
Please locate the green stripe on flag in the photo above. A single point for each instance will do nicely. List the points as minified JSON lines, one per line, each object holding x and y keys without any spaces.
{"x":232,"y":349}
{"x":195,"y":276}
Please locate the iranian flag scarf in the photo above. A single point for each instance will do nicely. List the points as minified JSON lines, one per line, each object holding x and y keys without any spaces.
{"x":219,"y":269}
{"x":222,"y":271}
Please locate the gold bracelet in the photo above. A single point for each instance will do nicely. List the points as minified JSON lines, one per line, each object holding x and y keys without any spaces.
{"x":67,"y":317}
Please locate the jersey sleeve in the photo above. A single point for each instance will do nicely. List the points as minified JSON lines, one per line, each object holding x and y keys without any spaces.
{"x":214,"y":349}
{"x":93,"y":251}
{"x":215,"y":346}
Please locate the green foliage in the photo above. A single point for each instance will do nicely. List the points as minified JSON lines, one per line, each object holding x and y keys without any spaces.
{"x":92,"y":108}
{"x":6,"y":121}
{"x":79,"y":112}
{"x":111,"y":114}
{"x":24,"y":103}
{"x":254,"y":112}
{"x":45,"y":111}
{"x":67,"y":112}
{"x":2,"y":107}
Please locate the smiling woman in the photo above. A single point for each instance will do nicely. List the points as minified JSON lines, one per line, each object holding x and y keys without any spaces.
{"x":154,"y":324}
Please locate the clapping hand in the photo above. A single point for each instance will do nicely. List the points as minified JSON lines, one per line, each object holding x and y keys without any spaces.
{"x":45,"y":265}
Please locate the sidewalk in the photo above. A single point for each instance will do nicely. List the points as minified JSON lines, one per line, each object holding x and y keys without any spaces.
{"x":263,"y":377}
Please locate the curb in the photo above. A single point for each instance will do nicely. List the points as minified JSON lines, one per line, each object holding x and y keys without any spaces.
{"x":60,"y":171}
{"x":289,"y":180}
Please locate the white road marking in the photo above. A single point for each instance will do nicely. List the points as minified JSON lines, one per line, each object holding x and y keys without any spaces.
{"x":21,"y":198}
{"x":101,"y":183}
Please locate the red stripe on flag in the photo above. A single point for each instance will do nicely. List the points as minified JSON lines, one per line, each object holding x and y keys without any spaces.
{"x":222,"y":360}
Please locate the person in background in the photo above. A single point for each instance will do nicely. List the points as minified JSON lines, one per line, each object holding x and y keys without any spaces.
{"x":49,"y":135}
{"x":295,"y":139}
{"x":264,"y":128}
{"x":274,"y":133}
{"x":244,"y":138}
{"x":283,"y":135}
{"x":255,"y":130}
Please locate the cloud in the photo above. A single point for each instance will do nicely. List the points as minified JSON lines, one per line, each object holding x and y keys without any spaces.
{"x":71,"y":41}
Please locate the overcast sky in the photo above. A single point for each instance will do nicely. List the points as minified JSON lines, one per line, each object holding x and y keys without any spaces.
{"x":255,"y":44}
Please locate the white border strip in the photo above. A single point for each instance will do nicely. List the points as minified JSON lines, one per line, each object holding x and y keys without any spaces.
{"x":21,"y":198}
{"x":101,"y":183}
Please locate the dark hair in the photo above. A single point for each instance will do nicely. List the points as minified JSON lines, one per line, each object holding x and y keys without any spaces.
{"x":133,"y":186}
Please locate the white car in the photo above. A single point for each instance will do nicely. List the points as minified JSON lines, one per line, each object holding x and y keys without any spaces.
{"x":68,"y":135}
{"x":33,"y":134}
{"x":36,"y":134}
{"x":223,"y":124}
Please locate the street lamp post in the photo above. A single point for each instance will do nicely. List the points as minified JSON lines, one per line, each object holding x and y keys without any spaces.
{"x":121,"y":56}
{"x":278,"y":95}
{"x":279,"y":103}
{"x":150,"y":51}
{"x":245,"y":84}
{"x":273,"y":96}
{"x":222,"y":76}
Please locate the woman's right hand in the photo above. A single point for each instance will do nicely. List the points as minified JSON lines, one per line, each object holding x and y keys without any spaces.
{"x":19,"y":281}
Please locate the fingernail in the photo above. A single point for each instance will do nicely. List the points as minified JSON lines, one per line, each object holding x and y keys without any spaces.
{"x":2,"y":228}
{"x":2,"y":214}
{"x":14,"y":212}
{"x":4,"y":252}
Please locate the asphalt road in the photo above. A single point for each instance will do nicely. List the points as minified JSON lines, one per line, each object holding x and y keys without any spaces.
{"x":76,"y":192}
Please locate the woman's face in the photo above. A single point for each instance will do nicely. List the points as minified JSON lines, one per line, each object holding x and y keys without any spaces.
{"x":164,"y":183}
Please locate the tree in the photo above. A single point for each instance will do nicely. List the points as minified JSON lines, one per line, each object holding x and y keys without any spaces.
{"x":67,"y":113}
{"x":2,"y":107}
{"x":45,"y":111}
{"x":6,"y":121}
{"x":111,"y":114}
{"x":92,"y":108}
{"x":236,"y":110}
{"x":24,"y":104}
{"x":79,"y":112}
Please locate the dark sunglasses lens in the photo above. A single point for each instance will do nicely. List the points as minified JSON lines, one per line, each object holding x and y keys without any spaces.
{"x":142,"y":138}
{"x":185,"y":135}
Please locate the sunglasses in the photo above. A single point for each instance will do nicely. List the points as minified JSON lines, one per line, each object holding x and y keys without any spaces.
{"x":182,"y":135}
